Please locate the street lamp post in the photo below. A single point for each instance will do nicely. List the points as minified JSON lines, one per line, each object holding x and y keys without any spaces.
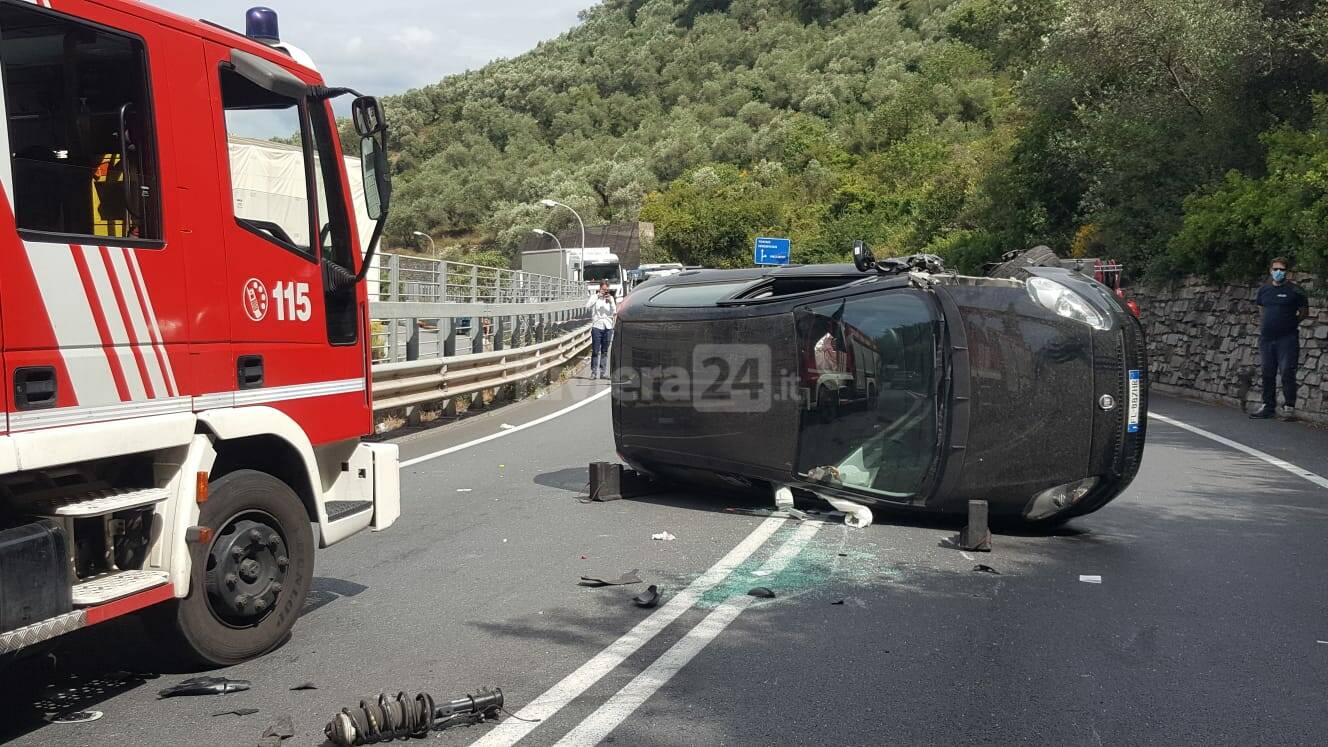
{"x":433,"y":248}
{"x":542,"y":232}
{"x":554,"y":203}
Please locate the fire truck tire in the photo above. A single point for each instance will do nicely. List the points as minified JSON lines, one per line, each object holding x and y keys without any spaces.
{"x":249,"y":584}
{"x":829,"y":402}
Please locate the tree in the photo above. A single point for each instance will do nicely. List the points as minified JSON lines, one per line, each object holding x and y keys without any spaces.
{"x":1232,"y":229}
{"x":711,"y":217}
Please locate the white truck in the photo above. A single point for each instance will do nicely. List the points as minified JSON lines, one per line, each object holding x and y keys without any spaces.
{"x":558,"y":263}
{"x":602,"y":265}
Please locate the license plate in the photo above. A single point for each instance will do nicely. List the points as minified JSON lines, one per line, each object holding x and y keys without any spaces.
{"x":1136,"y":384}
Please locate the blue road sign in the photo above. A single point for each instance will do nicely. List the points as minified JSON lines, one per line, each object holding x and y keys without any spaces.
{"x":772,"y":251}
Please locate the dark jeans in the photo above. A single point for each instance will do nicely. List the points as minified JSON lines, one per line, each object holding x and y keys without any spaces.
{"x":1280,"y":353}
{"x":600,"y":339}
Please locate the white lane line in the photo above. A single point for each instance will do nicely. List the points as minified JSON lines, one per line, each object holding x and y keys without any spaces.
{"x":505,"y":432}
{"x":552,"y":700}
{"x":609,"y":716}
{"x":1300,"y":472}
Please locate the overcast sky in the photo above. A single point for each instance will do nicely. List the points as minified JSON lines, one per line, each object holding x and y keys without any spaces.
{"x":388,"y":46}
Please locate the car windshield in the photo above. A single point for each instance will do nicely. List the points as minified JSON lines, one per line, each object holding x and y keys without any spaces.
{"x":602,"y":272}
{"x":701,"y":294}
{"x":867,"y":378}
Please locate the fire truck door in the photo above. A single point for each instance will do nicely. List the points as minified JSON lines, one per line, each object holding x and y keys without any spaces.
{"x":93,"y":300}
{"x":295,"y":338}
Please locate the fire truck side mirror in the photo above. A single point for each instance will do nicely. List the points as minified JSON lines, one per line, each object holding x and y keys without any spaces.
{"x":367,"y":112}
{"x":377,"y":178}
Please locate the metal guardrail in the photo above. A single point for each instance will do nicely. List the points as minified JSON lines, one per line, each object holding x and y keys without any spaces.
{"x":428,"y":308}
{"x":409,"y":383}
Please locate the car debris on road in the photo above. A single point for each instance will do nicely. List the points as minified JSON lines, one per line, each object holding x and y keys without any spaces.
{"x":204,"y":686}
{"x":648,"y":598}
{"x":625,"y":579}
{"x":236,"y":712}
{"x":277,"y":732}
{"x":75,"y":717}
{"x":404,"y":715}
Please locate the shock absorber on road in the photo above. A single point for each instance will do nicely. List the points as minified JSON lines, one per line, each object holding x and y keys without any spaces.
{"x":403,"y":715}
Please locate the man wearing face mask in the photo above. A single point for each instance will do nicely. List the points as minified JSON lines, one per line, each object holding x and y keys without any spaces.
{"x":1284,"y":307}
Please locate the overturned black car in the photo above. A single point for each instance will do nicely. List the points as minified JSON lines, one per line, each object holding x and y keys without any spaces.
{"x":893,"y":383}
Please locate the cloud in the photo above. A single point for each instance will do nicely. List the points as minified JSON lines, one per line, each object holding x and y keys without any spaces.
{"x":414,"y":37}
{"x":388,"y":46}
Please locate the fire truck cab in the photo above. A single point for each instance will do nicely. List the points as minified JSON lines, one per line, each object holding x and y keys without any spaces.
{"x":187,"y":368}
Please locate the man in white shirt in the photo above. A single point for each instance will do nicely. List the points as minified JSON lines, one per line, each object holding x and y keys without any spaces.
{"x":603,"y":308}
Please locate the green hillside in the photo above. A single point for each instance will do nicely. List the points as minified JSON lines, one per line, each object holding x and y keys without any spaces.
{"x":1174,"y":134}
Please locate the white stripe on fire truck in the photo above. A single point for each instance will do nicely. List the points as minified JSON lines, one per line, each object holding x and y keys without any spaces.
{"x":297,"y":391}
{"x":123,"y":302}
{"x":26,"y":421}
{"x":106,"y":307}
{"x":138,"y":327}
{"x":67,"y":307}
{"x":61,"y":416}
{"x":104,"y":342}
{"x":158,"y":344}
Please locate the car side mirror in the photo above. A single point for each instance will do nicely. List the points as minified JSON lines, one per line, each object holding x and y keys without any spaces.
{"x":862,"y":257}
{"x":377,"y":178}
{"x":367,"y":113}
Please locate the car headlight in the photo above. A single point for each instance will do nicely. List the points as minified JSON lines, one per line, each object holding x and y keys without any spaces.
{"x":1052,"y":500}
{"x":1064,"y":302}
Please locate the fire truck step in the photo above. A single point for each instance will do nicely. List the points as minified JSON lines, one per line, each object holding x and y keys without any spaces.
{"x":99,"y":502}
{"x":344,"y":509}
{"x":112,"y":586}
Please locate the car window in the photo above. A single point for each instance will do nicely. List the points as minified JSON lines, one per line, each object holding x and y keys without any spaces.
{"x":706,"y":294}
{"x":83,"y":150}
{"x":867,"y":378}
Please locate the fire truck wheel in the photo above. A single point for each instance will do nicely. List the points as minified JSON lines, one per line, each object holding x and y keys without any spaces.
{"x":829,"y":405}
{"x":249,"y":584}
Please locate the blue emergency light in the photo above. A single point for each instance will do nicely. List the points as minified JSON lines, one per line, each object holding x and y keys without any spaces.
{"x":260,"y":24}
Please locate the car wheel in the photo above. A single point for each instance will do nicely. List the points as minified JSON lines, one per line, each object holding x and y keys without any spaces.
{"x":248,"y":585}
{"x":829,"y":405}
{"x":1035,"y":257}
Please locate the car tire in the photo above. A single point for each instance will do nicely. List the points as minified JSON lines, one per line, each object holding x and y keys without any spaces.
{"x":829,"y":405}
{"x":246,"y":509}
{"x":1039,"y":256}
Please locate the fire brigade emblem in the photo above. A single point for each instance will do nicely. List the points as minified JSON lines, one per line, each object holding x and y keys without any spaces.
{"x":255,"y":299}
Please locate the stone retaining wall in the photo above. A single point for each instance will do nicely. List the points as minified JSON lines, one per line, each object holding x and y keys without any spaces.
{"x":1203,"y":340}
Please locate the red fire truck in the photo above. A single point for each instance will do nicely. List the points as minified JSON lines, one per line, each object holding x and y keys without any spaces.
{"x":188,"y":376}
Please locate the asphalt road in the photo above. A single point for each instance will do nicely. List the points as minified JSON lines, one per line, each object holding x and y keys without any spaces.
{"x":1208,"y":625}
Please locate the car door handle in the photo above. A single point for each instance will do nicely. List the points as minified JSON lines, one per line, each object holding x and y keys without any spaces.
{"x":249,"y":371}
